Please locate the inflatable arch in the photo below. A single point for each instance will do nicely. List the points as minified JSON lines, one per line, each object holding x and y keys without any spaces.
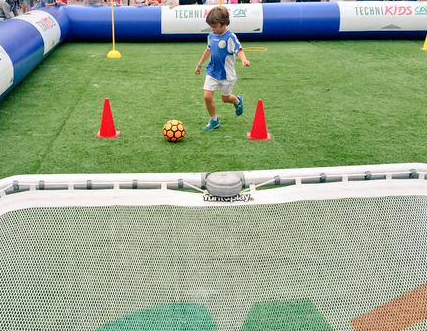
{"x":27,"y":39}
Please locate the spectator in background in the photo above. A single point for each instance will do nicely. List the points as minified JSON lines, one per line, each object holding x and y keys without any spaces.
{"x":52,"y":3}
{"x":170,"y":3}
{"x":153,"y":2}
{"x":24,"y":5}
{"x":191,"y":2}
{"x":147,"y":2}
{"x":93,"y":2}
{"x":8,"y":9}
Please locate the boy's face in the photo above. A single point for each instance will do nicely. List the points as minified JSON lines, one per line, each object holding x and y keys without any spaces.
{"x":218,"y":28}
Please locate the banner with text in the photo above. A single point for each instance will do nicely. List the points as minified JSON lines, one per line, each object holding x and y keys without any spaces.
{"x":46,"y":24}
{"x":244,"y":18}
{"x":382,"y":16}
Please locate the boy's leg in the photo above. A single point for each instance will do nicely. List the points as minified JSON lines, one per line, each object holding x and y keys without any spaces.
{"x":210,"y":106}
{"x":237,"y":101}
{"x":228,"y":97}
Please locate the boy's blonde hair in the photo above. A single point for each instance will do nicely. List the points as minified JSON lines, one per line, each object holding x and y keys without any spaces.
{"x":218,"y":15}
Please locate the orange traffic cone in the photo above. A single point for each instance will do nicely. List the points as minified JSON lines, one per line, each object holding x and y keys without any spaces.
{"x":259,"y":128}
{"x":108,"y":129}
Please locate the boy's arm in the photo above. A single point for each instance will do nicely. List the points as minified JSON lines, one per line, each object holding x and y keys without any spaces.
{"x":242,"y":56}
{"x":206,"y":54}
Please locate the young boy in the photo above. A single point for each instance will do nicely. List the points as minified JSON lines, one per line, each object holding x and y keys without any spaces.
{"x":223,"y":46}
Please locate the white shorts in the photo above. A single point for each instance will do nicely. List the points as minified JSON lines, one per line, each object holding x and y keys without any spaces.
{"x":226,"y":86}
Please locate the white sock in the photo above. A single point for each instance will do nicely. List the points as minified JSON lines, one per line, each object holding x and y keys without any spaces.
{"x":215,"y":118}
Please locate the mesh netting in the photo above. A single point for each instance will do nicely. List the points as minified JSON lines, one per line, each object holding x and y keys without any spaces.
{"x":312,"y":265}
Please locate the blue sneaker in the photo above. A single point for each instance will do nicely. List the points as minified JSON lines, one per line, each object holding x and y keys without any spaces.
{"x":212,"y":125}
{"x":239,"y":106}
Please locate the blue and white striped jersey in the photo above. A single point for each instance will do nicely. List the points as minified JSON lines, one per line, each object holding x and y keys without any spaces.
{"x":224,"y":49}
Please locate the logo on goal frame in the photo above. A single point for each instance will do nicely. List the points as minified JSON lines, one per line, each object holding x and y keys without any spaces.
{"x":243,"y":197}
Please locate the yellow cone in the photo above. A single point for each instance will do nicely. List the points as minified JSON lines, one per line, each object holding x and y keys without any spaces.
{"x":425,"y":46}
{"x":113,"y":54}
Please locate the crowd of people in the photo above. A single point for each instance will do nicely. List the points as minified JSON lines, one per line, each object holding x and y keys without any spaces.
{"x":173,"y":2}
{"x":12,"y":8}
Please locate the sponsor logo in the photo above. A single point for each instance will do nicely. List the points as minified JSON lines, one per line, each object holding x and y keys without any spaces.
{"x":46,"y":23}
{"x":191,"y":13}
{"x":421,"y":10}
{"x":239,"y":12}
{"x":238,"y":197}
{"x":390,"y":10}
{"x":202,"y":13}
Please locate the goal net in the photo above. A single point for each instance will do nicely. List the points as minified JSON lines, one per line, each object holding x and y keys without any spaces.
{"x":308,"y":249}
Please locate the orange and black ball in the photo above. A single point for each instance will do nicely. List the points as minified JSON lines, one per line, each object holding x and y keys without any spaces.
{"x":174,"y":130}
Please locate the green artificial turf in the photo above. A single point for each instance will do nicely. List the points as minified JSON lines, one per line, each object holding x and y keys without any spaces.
{"x":294,"y":315}
{"x":327,"y":103}
{"x":170,"y":317}
{"x":287,"y":316}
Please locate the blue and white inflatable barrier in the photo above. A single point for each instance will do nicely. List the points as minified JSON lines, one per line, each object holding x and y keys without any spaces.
{"x":26,"y":40}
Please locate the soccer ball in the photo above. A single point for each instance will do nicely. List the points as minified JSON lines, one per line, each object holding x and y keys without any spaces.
{"x":174,"y":130}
